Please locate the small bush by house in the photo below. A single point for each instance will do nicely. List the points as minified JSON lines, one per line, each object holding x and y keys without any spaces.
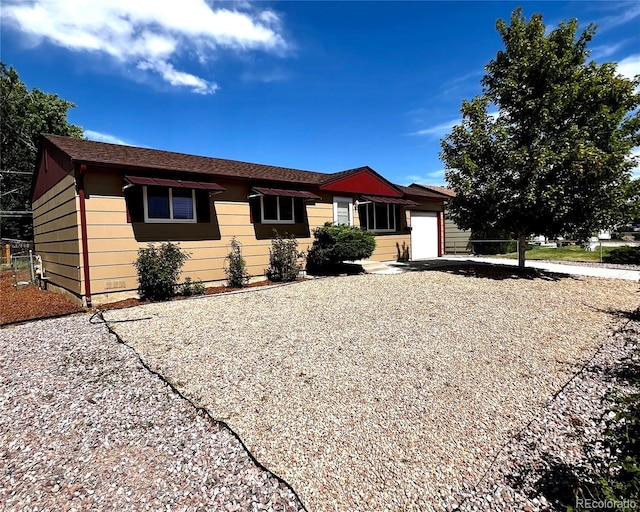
{"x":335,"y":244}
{"x":236,"y":270}
{"x":190,"y":287}
{"x":158,"y":270}
{"x":283,"y":259}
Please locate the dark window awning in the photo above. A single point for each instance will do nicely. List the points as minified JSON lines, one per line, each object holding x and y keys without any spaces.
{"x":285,"y":193}
{"x":389,"y":200}
{"x":161,"y":182}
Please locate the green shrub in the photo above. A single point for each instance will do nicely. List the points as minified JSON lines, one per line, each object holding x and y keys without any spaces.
{"x":624,"y":254}
{"x":335,"y":244}
{"x":190,"y":287}
{"x":622,"y":439}
{"x":236,"y":271}
{"x":158,"y":270}
{"x":283,"y":258}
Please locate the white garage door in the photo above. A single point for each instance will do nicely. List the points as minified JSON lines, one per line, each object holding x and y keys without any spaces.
{"x":424,"y":235}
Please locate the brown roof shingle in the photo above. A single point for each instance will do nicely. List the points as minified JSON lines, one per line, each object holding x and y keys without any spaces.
{"x":131,"y":157}
{"x":102,"y":154}
{"x":420,"y":192}
{"x":434,"y":188}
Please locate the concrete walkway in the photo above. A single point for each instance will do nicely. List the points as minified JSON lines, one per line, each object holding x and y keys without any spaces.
{"x":558,"y":268}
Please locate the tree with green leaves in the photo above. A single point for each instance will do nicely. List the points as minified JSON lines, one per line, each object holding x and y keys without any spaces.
{"x":546,"y":149}
{"x":24,"y":115}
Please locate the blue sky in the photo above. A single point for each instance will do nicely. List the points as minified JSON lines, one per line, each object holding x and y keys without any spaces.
{"x":323,"y":86}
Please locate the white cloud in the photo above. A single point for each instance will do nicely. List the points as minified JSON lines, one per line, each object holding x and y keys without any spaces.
{"x":179,"y":78}
{"x":630,"y":11}
{"x":429,"y":178}
{"x":440,"y":130}
{"x":604,"y":51}
{"x":150,"y":34}
{"x":629,"y":66}
{"x":103,"y":137}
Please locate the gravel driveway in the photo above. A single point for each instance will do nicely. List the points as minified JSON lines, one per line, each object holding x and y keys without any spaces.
{"x":378,"y":392}
{"x":84,"y":426}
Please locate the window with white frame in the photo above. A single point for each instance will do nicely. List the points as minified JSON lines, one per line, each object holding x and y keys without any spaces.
{"x":343,"y":211}
{"x":277,"y":209}
{"x":378,"y":216}
{"x":166,"y":204}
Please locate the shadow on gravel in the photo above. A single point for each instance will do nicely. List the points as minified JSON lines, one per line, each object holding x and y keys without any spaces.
{"x":633,"y":315}
{"x":339,"y":269}
{"x":484,"y":270}
{"x":627,"y":371}
{"x":558,"y":483}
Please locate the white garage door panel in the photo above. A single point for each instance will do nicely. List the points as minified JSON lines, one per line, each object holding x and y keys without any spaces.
{"x":424,"y":235}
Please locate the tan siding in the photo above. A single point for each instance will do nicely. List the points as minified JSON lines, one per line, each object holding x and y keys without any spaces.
{"x":57,"y":236}
{"x":103,"y":185}
{"x":60,"y":258}
{"x":65,"y":188}
{"x":319,"y":213}
{"x":227,"y":208}
{"x":70,"y":247}
{"x":66,"y":271}
{"x":44,"y":217}
{"x":386,"y":249}
{"x":456,"y":240}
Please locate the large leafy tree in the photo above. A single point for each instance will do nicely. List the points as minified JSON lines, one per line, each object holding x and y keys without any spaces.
{"x":546,"y":149}
{"x":24,"y":115}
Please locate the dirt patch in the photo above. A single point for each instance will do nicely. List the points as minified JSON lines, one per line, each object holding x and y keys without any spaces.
{"x":29,"y":302}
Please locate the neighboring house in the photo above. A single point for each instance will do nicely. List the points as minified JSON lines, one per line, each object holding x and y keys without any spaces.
{"x":456,"y":239}
{"x":95,"y":204}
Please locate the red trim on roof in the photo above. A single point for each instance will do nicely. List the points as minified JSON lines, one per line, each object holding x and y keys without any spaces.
{"x":286,"y":193}
{"x":390,"y":200}
{"x":363,"y":180}
{"x":161,"y":182}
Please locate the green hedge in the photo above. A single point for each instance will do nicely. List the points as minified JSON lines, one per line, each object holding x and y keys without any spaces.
{"x":625,"y":254}
{"x":335,"y":244}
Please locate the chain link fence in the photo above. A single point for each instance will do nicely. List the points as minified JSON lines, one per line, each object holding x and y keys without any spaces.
{"x":10,"y":246}
{"x":17,"y":256}
{"x":23,"y":267}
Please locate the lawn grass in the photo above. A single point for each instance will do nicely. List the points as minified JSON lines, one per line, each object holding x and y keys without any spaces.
{"x":568,"y":253}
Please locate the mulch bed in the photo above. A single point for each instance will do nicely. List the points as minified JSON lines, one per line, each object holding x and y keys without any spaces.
{"x":128,"y":303}
{"x":31,"y":303}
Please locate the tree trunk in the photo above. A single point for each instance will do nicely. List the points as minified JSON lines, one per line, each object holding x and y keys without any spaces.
{"x":522,"y":247}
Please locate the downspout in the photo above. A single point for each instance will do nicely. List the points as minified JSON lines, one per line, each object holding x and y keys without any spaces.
{"x":440,"y":233}
{"x":83,"y":233}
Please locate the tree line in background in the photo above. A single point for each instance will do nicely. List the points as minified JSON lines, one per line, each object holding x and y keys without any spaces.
{"x":546,"y":149}
{"x":24,"y":115}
